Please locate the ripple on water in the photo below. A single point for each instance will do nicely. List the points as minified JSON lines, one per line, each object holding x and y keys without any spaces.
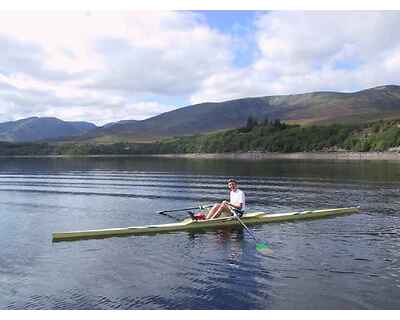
{"x":349,"y":262}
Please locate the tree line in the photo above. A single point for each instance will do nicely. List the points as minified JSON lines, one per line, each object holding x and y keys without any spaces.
{"x":266,"y":136}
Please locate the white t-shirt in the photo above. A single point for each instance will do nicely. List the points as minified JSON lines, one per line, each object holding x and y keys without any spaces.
{"x":237,"y":198}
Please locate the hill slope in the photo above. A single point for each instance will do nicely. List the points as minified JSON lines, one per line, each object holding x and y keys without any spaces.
{"x":267,"y":137}
{"x":309,"y":108}
{"x":36,"y":129}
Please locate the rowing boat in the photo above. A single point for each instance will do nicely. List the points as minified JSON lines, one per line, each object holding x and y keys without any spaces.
{"x":189,"y":224}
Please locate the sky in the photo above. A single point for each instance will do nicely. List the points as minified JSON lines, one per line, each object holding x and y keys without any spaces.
{"x":104,"y":67}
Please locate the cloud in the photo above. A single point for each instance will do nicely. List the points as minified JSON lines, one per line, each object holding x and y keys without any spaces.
{"x":311,"y":51}
{"x":22,"y":96}
{"x":170,"y":55}
{"x":62,"y":63}
{"x":17,"y":55}
{"x":108,"y":67}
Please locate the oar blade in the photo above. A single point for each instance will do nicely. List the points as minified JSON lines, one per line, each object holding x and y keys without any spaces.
{"x":264,"y":248}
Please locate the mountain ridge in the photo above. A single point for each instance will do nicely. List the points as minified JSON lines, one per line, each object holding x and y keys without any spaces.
{"x":322,"y":107}
{"x":319,"y":107}
{"x":33,"y":129}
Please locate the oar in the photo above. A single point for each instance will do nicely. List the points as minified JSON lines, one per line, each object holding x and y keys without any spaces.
{"x":169,"y":216}
{"x":201,"y":207}
{"x":261,"y":247}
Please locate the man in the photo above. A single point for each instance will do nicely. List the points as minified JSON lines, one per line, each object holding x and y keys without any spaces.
{"x":237,"y":200}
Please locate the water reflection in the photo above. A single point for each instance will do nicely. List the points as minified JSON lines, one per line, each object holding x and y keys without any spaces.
{"x":343,"y":263}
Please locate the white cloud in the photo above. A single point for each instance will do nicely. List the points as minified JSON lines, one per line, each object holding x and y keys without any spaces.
{"x":107,"y":67}
{"x":165,"y":54}
{"x":109,"y":113}
{"x":310,"y":51}
{"x":106,"y":57}
{"x":392,"y":61}
{"x":72,"y":105}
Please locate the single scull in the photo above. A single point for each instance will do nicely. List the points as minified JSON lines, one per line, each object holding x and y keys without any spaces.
{"x":189,"y":224}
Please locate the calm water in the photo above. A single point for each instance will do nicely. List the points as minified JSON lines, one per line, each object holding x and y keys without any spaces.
{"x":349,"y":262}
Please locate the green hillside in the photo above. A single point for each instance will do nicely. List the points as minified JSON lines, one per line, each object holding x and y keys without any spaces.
{"x":268,"y":136}
{"x":309,"y":108}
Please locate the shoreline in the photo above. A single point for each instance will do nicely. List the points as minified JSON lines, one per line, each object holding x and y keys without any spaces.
{"x":292,"y":156}
{"x":339,"y":155}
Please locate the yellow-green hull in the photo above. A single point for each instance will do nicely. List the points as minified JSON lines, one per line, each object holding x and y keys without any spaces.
{"x":188,"y":224}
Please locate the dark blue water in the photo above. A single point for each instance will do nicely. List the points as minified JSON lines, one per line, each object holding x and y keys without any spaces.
{"x":348,"y":262}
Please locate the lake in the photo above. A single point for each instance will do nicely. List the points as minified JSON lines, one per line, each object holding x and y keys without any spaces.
{"x":347,"y":262}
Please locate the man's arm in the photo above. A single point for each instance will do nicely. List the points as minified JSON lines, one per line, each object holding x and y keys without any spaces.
{"x":235,"y":205}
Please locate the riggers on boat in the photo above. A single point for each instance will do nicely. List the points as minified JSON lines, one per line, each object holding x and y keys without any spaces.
{"x":190,"y":224}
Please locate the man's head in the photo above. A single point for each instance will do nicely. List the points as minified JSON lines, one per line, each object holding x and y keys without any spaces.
{"x":232,"y":184}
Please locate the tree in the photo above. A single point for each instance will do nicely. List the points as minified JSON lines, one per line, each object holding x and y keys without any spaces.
{"x":251,"y":123}
{"x":277,"y":123}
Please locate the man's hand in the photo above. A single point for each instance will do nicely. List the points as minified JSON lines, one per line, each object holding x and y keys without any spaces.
{"x":228,"y":204}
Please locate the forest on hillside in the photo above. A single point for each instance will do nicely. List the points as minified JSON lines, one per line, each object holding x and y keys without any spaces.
{"x":268,"y":136}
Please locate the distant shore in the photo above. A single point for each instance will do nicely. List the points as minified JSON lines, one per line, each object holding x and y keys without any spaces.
{"x":244,"y":156}
{"x":297,"y":155}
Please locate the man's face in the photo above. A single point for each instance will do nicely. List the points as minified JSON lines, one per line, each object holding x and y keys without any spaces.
{"x":232,"y":186}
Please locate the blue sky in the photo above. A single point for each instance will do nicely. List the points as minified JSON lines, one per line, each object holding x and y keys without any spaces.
{"x":239,"y":24}
{"x":105,"y":67}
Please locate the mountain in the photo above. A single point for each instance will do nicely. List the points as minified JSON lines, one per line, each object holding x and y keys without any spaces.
{"x":309,"y":108}
{"x":36,"y":129}
{"x":110,"y":124}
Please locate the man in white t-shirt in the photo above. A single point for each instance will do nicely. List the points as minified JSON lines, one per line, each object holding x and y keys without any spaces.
{"x":237,"y":200}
